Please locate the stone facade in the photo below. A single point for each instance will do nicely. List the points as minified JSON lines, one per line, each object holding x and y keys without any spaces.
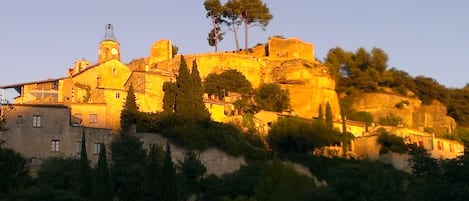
{"x":41,"y":131}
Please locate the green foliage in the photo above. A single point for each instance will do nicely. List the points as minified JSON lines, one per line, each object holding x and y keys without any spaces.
{"x":367,"y":180}
{"x":152,"y":170}
{"x":214,"y":12}
{"x":184,"y":93}
{"x":272,"y":98}
{"x":129,"y":113}
{"x":230,"y":186}
{"x":169,"y":191}
{"x":329,"y":122}
{"x":228,"y":81}
{"x":457,"y":105}
{"x":175,"y":50}
{"x":192,"y":170}
{"x":392,"y":143}
{"x":201,"y":135}
{"x":103,"y":190}
{"x":86,"y":183}
{"x":246,"y":12}
{"x":281,"y":182}
{"x":428,"y":89}
{"x":61,"y":174}
{"x":198,"y":109}
{"x":361,"y":69}
{"x":402,"y":104}
{"x":13,"y":170}
{"x":297,"y":135}
{"x":390,"y":120}
{"x":169,"y":97}
{"x":127,"y":161}
{"x":320,"y":114}
{"x":363,"y":116}
{"x":188,"y":94}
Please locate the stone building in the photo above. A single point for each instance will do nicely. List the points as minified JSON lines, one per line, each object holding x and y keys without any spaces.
{"x":95,"y":93}
{"x":38,"y":131}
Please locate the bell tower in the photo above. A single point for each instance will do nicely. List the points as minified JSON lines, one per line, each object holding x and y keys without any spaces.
{"x":109,"y":47}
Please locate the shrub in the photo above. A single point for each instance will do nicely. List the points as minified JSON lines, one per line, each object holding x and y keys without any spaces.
{"x":390,"y":120}
{"x":392,"y":143}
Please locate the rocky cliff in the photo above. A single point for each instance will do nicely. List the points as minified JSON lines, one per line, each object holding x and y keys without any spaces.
{"x":414,"y":114}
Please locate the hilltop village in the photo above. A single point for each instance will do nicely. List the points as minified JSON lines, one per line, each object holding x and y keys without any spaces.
{"x":49,"y":116}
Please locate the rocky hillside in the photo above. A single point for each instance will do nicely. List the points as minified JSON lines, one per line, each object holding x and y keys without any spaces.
{"x":414,"y":114}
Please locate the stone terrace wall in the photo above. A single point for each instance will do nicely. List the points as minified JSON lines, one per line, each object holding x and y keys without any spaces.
{"x":216,"y":161}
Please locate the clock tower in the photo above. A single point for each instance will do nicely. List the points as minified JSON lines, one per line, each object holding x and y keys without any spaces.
{"x":108,"y":47}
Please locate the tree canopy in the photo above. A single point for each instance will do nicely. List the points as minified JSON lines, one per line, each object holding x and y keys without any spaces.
{"x":233,"y":14}
{"x":227,"y":81}
{"x":272,"y":98}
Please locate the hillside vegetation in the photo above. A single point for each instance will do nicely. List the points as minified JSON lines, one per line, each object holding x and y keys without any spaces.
{"x":363,"y":71}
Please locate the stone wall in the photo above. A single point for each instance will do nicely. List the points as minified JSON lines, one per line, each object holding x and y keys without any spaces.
{"x":35,"y":142}
{"x":292,"y":48}
{"x":216,"y":161}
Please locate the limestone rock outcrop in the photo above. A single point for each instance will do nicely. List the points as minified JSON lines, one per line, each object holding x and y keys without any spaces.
{"x":414,"y":114}
{"x":309,"y":83}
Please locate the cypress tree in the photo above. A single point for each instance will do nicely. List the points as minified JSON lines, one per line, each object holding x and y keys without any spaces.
{"x":320,"y":114}
{"x":329,"y":122}
{"x":129,"y":113}
{"x":85,"y":187}
{"x":200,"y":112}
{"x":169,"y":188}
{"x":103,"y":191}
{"x":153,"y":172}
{"x":184,"y":94}
{"x":169,"y":97}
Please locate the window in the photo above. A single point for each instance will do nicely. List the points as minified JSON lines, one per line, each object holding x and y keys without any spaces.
{"x":118,"y":94}
{"x":78,"y":147}
{"x":440,"y":145}
{"x":114,"y":72}
{"x":36,"y":121}
{"x":93,"y":118}
{"x":97,"y":148}
{"x":451,"y":148}
{"x":55,"y":145}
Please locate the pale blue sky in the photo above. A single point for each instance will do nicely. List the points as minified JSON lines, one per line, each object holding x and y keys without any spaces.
{"x":41,"y":39}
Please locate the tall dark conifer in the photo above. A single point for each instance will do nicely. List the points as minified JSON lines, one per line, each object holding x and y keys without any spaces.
{"x":199,"y":110}
{"x":103,"y":190}
{"x":329,"y":122}
{"x":129,"y":114}
{"x":320,"y":114}
{"x":85,"y":187}
{"x":184,"y":93}
{"x":153,"y":173}
{"x":169,"y":97}
{"x":169,"y":189}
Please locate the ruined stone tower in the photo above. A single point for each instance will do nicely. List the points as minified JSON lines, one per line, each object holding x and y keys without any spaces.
{"x":109,"y":47}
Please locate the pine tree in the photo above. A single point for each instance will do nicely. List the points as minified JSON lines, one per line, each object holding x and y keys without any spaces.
{"x":103,"y":191}
{"x":199,"y":110}
{"x":129,"y":114}
{"x":85,"y":187}
{"x":329,"y":122}
{"x":184,"y":94}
